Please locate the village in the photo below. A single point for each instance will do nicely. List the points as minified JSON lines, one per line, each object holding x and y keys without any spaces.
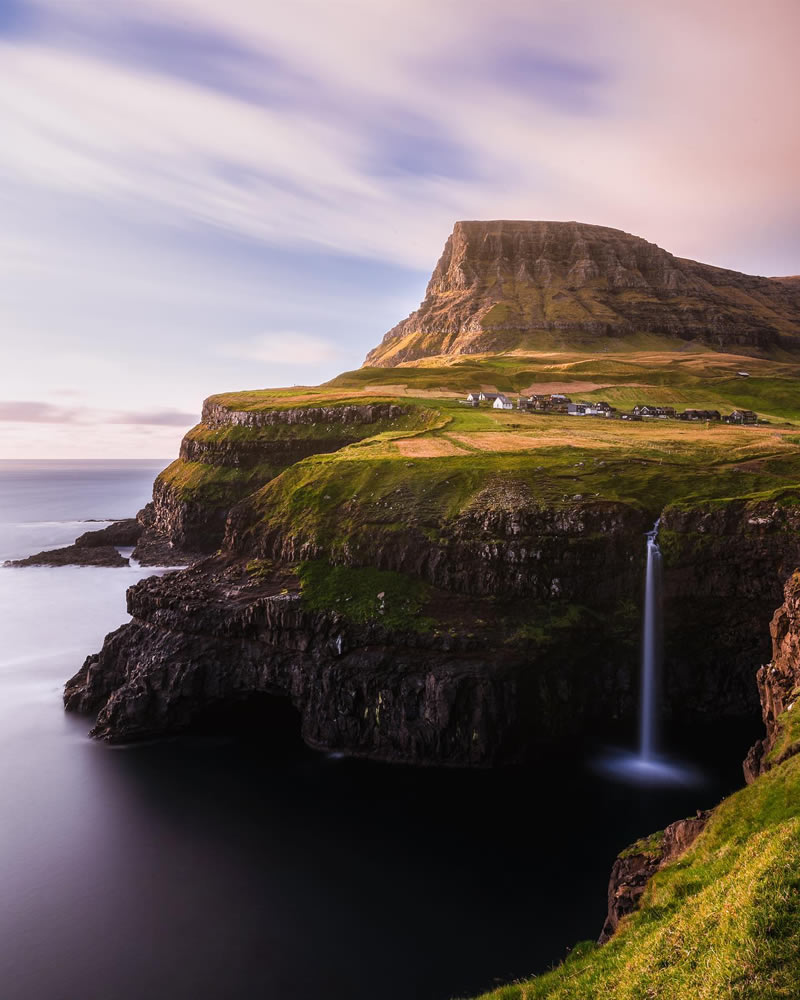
{"x":558,"y":403}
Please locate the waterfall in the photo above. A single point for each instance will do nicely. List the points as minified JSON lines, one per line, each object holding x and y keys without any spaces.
{"x":651,"y":649}
{"x":647,"y":766}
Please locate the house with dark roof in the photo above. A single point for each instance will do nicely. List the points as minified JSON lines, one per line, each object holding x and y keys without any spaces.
{"x":742,"y":417}
{"x":699,"y":415}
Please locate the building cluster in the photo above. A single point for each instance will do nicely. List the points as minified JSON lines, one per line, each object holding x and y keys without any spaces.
{"x":557,"y":402}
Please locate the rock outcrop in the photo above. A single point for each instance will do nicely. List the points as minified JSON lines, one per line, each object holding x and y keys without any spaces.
{"x":636,"y":865}
{"x":498,"y":284}
{"x":92,"y":548}
{"x":123,"y":533}
{"x":75,"y":555}
{"x":779,"y":688}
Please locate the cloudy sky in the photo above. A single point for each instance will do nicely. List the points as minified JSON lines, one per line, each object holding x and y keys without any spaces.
{"x":199,"y":196}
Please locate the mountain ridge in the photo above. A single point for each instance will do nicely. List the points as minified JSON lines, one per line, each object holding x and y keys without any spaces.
{"x":504,"y":285}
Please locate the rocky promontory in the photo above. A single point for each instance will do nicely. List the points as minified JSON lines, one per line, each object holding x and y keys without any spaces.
{"x":382,"y":665}
{"x":93,"y":548}
{"x":75,"y":555}
{"x":636,"y":865}
{"x":472,"y":639}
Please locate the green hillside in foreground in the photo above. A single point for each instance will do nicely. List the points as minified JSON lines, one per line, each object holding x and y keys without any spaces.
{"x":721,"y":921}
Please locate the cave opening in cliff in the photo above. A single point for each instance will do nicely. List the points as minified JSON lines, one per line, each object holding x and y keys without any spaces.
{"x":267,"y":722}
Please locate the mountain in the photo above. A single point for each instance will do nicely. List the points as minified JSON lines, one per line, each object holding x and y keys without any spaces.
{"x":504,"y":285}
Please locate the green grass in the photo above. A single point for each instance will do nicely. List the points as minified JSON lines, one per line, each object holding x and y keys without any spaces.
{"x":364,"y":595}
{"x":554,"y":622}
{"x":302,"y":397}
{"x":218,"y":485}
{"x":722,"y":921}
{"x":215,"y":485}
{"x":788,"y":741}
{"x":651,"y":846}
{"x":662,"y":372}
{"x":381,"y":484}
{"x":339,"y":500}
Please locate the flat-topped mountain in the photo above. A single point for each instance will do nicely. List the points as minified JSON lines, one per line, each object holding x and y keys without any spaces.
{"x":504,"y":285}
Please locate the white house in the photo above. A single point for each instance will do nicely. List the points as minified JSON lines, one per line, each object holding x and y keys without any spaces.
{"x":502,"y":403}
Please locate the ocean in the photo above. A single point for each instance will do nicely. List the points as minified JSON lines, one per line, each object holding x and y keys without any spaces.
{"x":240,"y":864}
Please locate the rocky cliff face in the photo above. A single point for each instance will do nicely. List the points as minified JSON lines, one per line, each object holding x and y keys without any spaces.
{"x":502,"y":544}
{"x":215,"y":634}
{"x":779,"y":688}
{"x":192,"y":498}
{"x":499,"y":283}
{"x":489,"y":676}
{"x":725,"y":566}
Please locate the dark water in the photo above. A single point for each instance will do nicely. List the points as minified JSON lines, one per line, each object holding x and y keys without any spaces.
{"x":253,"y":868}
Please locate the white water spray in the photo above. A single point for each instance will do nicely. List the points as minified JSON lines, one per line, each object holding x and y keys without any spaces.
{"x":651,"y":649}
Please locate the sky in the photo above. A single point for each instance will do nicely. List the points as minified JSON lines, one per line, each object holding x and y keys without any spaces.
{"x":198,"y":197}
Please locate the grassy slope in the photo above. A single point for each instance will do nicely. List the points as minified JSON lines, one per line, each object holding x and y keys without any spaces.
{"x":432,"y":462}
{"x":220,"y":484}
{"x":683,"y":378}
{"x":332,"y":497}
{"x":721,"y":921}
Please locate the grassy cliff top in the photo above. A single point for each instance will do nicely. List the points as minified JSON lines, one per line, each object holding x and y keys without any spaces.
{"x":657,"y":372}
{"x":441,"y":446}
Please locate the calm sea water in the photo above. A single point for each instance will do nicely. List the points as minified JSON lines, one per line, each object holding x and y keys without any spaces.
{"x":219,"y":868}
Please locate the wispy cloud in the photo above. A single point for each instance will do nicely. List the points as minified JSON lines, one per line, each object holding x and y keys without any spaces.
{"x":173,"y":170}
{"x":210,"y":113}
{"x":35,"y":412}
{"x":159,"y":418}
{"x":31,"y":412}
{"x":285,"y":348}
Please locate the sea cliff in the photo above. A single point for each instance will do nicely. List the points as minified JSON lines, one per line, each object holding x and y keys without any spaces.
{"x":447,"y":610}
